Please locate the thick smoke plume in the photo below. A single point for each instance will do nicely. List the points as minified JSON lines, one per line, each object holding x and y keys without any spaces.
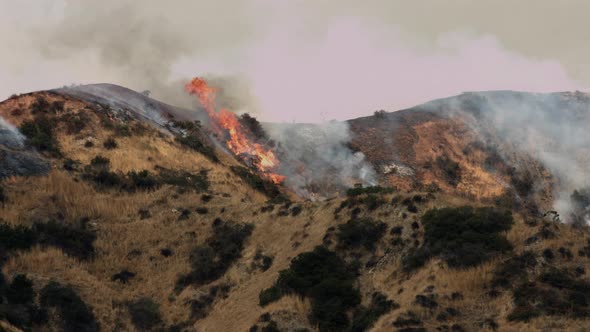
{"x":303,"y":61}
{"x":551,"y":128}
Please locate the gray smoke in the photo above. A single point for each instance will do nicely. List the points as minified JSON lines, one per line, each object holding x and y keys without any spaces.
{"x":551,"y":128}
{"x":141,"y":43}
{"x":15,"y":158}
{"x":10,"y":137}
{"x":316,"y":159}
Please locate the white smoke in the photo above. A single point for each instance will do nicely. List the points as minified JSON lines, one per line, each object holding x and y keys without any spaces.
{"x":10,"y":136}
{"x":316,"y":159}
{"x":551,"y":128}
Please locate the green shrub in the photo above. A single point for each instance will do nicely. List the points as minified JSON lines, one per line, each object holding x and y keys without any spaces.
{"x":39,"y":134}
{"x":360,"y":232}
{"x":326,"y":279}
{"x":463,"y":236}
{"x":74,"y":313}
{"x":145,"y":314}
{"x":212,"y":259}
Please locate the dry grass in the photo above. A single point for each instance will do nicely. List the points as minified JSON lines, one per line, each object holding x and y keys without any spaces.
{"x":124,"y":242}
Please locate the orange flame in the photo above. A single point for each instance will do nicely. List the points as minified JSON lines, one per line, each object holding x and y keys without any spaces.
{"x":238,"y":143}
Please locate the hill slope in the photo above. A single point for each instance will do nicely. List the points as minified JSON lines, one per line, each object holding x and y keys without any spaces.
{"x":150,"y":233}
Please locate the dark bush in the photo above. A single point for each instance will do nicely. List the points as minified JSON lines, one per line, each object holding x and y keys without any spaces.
{"x":250,"y":122}
{"x":364,"y":318}
{"x":74,"y":123}
{"x":201,"y":306}
{"x":522,"y":182}
{"x":202,"y":210}
{"x":16,"y":237}
{"x":514,"y":269}
{"x":262,"y":261}
{"x":296,"y":210}
{"x":396,"y":230}
{"x":145,"y":314}
{"x":18,"y":303}
{"x":326,"y":279}
{"x":142,"y":180}
{"x":212,"y":259}
{"x":39,"y":134}
{"x":556,"y":294}
{"x":70,"y":165}
{"x":106,"y":179}
{"x":184,"y":214}
{"x":74,"y":313}
{"x":20,"y":290}
{"x":191,"y":136}
{"x":198,"y":182}
{"x":450,"y":169}
{"x":253,"y":180}
{"x":360,"y":232}
{"x":426,"y":301}
{"x":3,"y":196}
{"x":40,"y":105}
{"x":369,"y":190}
{"x":110,"y":143}
{"x":269,"y":295}
{"x":463,"y":236}
{"x":124,"y":276}
{"x":75,"y":241}
{"x":409,"y":318}
{"x":144,"y":214}
{"x":100,"y":162}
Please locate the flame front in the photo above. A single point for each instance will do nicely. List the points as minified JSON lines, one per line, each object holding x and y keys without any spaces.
{"x":224,"y":120}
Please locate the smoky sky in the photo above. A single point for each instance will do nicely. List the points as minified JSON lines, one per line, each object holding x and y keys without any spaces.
{"x":308,"y":61}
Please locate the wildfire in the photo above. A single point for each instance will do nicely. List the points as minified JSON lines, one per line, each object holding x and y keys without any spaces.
{"x":223,"y":120}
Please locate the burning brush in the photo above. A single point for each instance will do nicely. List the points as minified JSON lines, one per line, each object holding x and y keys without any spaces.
{"x":238,"y":140}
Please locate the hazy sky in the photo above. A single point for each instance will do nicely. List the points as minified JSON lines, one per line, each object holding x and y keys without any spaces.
{"x":298,"y":60}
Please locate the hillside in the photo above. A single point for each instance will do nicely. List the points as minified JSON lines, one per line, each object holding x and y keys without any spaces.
{"x":135,"y":220}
